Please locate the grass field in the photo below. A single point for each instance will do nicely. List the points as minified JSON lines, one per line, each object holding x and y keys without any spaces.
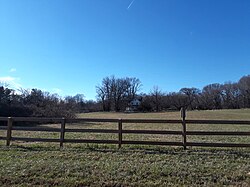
{"x":44,"y":164}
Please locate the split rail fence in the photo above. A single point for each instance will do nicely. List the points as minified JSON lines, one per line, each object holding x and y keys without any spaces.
{"x":9,"y":128}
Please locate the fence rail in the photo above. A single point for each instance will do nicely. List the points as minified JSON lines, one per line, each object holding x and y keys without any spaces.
{"x":9,"y":128}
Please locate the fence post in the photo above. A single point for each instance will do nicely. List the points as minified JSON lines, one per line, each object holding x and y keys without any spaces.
{"x":63,"y":122}
{"x":184,"y":128}
{"x":9,"y":130}
{"x":120,"y":133}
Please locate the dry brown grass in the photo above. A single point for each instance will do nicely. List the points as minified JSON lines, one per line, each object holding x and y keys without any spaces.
{"x":44,"y":164}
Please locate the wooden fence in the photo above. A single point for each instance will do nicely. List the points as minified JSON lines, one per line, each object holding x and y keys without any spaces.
{"x":120,"y":131}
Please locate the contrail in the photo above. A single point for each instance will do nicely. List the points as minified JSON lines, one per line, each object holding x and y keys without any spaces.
{"x":130,"y":4}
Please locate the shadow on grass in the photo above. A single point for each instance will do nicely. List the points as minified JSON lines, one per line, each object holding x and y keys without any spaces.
{"x":237,"y":152}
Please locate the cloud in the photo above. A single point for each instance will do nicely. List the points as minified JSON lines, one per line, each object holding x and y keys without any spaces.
{"x":12,"y":70}
{"x":57,"y":90}
{"x":10,"y":82}
{"x":14,"y":83}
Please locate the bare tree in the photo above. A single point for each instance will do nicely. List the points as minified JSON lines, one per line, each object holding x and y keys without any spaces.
{"x":116,"y":93}
{"x":179,"y":100}
{"x":119,"y":92}
{"x":157,"y":98}
{"x":212,"y":96}
{"x":231,"y":95}
{"x":244,"y":86}
{"x":133,"y":88}
{"x":192,"y":97}
{"x":105,"y":92}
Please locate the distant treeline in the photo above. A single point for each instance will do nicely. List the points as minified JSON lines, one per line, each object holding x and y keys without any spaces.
{"x":37,"y":103}
{"x":116,"y":94}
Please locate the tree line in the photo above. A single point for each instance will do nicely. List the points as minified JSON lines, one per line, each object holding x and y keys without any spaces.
{"x":37,"y":103}
{"x":116,"y":94}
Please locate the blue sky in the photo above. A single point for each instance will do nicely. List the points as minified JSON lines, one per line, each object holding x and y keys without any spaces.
{"x":68,"y":46}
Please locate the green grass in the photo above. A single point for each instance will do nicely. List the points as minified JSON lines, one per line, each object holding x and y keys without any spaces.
{"x":105,"y":166}
{"x":44,"y":164}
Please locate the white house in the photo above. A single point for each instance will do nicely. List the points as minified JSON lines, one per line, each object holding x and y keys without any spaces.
{"x":133,"y":105}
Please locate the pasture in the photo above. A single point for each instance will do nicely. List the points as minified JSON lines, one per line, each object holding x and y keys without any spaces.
{"x":45,"y":164}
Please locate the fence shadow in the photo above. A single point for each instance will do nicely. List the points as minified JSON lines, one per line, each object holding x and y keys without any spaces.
{"x":241,"y":152}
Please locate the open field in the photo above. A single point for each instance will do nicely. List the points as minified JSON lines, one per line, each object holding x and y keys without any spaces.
{"x":241,"y":114}
{"x":36,"y":164}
